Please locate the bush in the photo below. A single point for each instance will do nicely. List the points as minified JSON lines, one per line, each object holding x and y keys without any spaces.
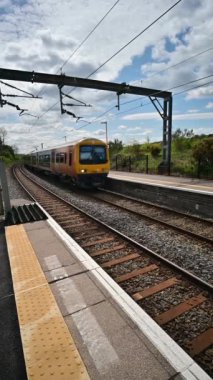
{"x":203,"y":151}
{"x":155,"y":150}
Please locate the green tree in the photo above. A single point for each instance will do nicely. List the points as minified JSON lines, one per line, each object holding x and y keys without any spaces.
{"x":186,"y":133}
{"x":115,"y":147}
{"x":155,"y":150}
{"x":182,"y":139}
{"x":203,"y":151}
{"x":136,"y":150}
{"x":15,"y":149}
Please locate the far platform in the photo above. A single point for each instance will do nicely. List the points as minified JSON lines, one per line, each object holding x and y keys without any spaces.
{"x":185,"y":195}
{"x":193,"y":184}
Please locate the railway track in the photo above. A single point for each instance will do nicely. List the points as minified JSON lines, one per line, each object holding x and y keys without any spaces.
{"x":182,"y":223}
{"x":188,"y":225}
{"x":177,"y":300}
{"x":189,"y":244}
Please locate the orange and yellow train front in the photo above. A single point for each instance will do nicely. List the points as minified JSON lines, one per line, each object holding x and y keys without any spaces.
{"x":90,"y":163}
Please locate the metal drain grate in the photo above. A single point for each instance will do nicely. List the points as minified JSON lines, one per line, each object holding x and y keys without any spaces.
{"x":24,"y":214}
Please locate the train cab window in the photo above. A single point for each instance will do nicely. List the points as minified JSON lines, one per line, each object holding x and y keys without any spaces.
{"x":95,"y":154}
{"x":70,"y":159}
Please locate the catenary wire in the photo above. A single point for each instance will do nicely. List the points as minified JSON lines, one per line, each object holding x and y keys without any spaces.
{"x":171,"y":88}
{"x":134,"y":38}
{"x":134,"y":100}
{"x":84,"y":40}
{"x":142,"y":105}
{"x":158,"y":72}
{"x":122,"y":48}
{"x":177,"y":64}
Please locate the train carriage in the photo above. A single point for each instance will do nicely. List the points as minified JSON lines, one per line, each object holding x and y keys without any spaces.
{"x":85,"y":162}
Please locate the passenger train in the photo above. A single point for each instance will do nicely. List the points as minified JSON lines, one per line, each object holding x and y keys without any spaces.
{"x":85,"y":162}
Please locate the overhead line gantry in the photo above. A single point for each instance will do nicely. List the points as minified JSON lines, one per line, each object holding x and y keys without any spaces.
{"x":164,"y":110}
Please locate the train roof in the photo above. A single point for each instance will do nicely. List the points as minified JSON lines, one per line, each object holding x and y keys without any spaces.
{"x":45,"y":151}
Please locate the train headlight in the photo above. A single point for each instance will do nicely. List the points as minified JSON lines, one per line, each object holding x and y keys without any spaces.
{"x":83,"y":171}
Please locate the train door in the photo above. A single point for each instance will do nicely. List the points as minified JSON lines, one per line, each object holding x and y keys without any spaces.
{"x":52,"y":161}
{"x":71,"y":165}
{"x":70,"y":158}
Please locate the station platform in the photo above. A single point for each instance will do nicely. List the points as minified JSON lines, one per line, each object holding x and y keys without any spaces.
{"x":185,"y":183}
{"x":75,"y":322}
{"x":184,"y":195}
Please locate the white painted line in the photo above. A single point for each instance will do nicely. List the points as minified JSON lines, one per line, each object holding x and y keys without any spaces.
{"x":98,"y":345}
{"x":58,"y":273}
{"x":52,"y":262}
{"x":71,"y":296}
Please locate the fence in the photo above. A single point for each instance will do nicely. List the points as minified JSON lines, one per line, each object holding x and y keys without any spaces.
{"x":180,"y":165}
{"x":129,"y":163}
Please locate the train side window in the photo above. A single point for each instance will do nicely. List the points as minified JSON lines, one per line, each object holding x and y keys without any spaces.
{"x":70,"y":159}
{"x":34,"y":160}
{"x":44,"y":160}
{"x":61,"y":158}
{"x":57,"y":158}
{"x":53,"y":157}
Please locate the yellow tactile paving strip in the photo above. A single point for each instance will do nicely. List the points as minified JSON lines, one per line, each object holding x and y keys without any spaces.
{"x":49,"y":350}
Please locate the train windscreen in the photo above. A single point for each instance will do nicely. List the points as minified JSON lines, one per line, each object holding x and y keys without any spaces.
{"x":92,"y":154}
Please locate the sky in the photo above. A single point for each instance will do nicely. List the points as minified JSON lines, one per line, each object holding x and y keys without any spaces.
{"x":76,"y":38}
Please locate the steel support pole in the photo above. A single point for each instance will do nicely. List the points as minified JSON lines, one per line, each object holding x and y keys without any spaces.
{"x":167,"y":133}
{"x":5,"y":192}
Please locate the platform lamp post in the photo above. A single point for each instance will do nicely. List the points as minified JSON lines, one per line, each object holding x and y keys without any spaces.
{"x":105,"y":122}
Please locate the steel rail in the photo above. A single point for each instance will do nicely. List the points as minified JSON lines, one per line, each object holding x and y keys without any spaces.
{"x":156,"y":220}
{"x":203,"y":284}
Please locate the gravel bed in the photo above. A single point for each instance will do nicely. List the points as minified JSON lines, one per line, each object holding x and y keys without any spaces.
{"x":15,"y":190}
{"x":146,"y":280}
{"x":163,"y":215}
{"x":188,"y":326}
{"x":192,"y":255}
{"x":204,"y":358}
{"x":128,"y":266}
{"x":113,"y":255}
{"x":162,"y":301}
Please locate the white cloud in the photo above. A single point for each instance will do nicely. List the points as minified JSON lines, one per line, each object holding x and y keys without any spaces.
{"x":209,"y":105}
{"x":193,"y":110}
{"x":203,"y":92}
{"x":155,"y":116}
{"x":122,"y":127}
{"x":142,"y":116}
{"x":134,"y":129}
{"x":195,"y":116}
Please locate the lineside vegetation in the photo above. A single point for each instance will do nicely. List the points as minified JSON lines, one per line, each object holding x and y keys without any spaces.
{"x":191,"y":155}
